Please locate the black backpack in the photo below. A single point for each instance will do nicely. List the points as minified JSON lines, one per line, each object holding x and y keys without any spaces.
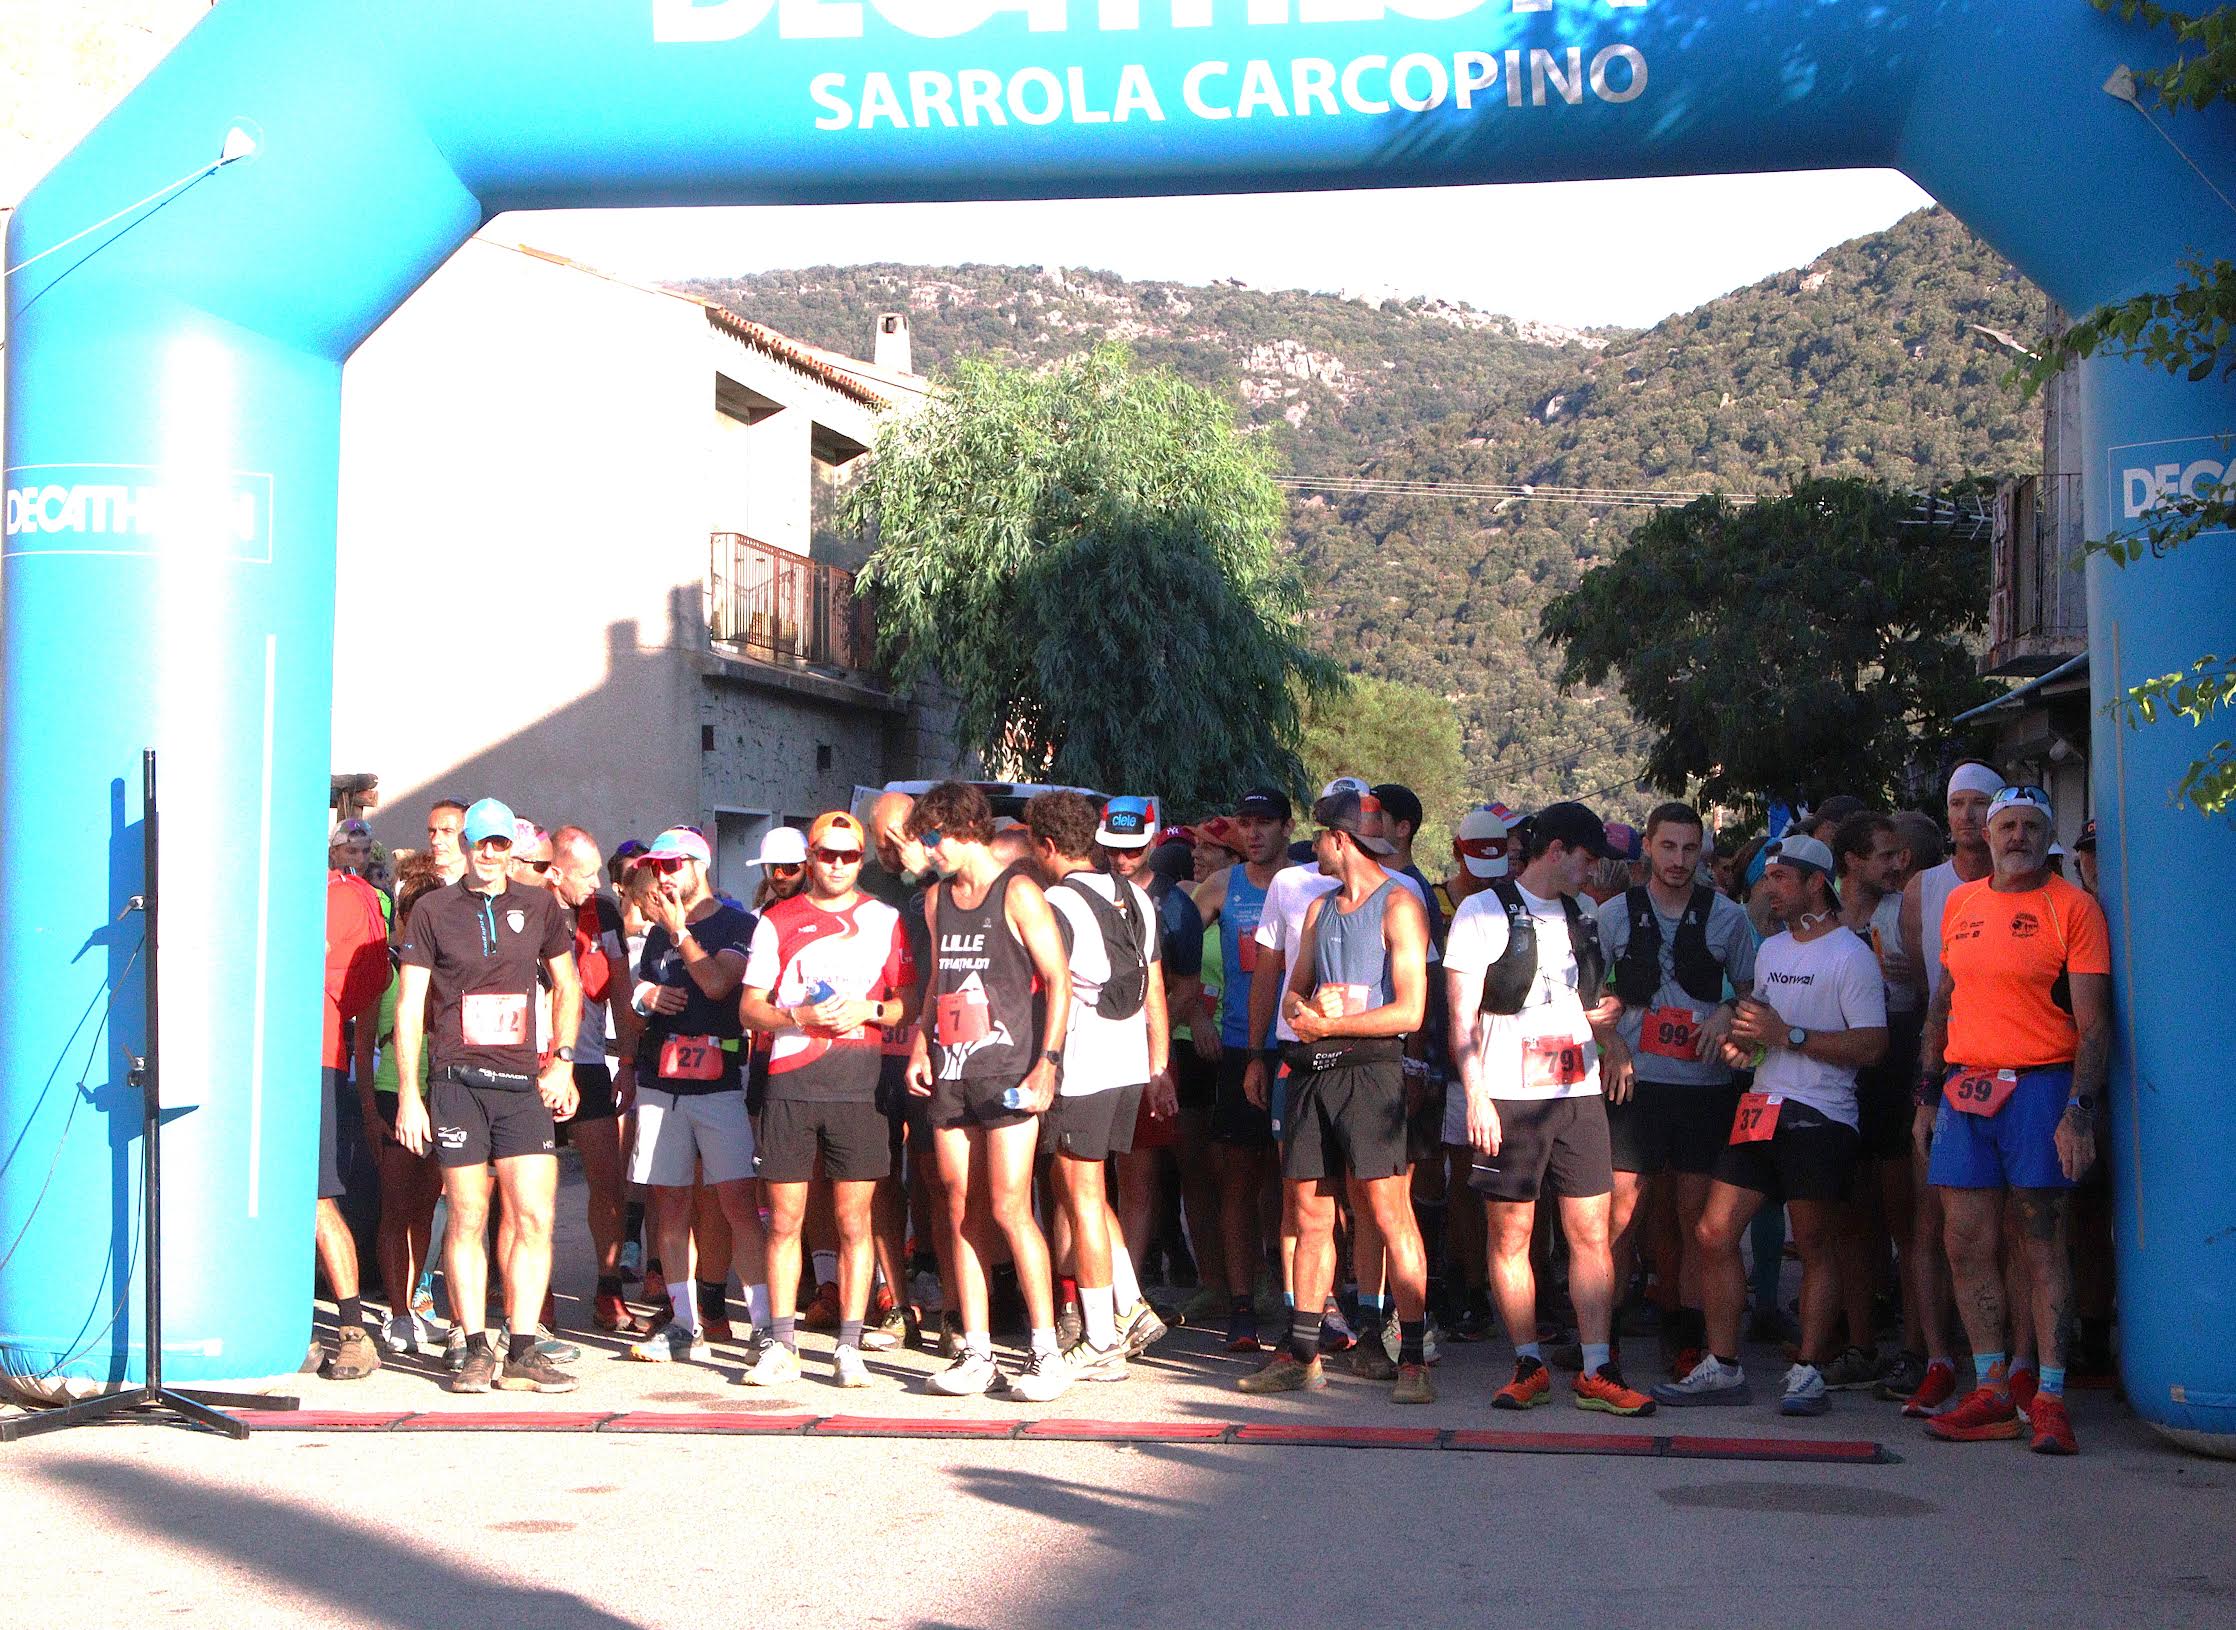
{"x":1507,"y":981}
{"x":1125,"y":938}
{"x":1637,"y":972}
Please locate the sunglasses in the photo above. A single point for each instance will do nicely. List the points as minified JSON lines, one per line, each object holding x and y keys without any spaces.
{"x":839,"y":857}
{"x":539,"y":867}
{"x":931,"y":837}
{"x":504,"y":844}
{"x":667,"y":865}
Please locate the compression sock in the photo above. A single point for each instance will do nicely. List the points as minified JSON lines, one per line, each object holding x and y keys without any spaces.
{"x":1411,"y":1333}
{"x":1125,"y":1284}
{"x":520,"y":1348}
{"x":1097,"y":1307}
{"x":757,"y":1305}
{"x":348,"y":1312}
{"x":2052,"y":1380}
{"x":609,"y":1284}
{"x":1988,"y":1371}
{"x":1304,"y":1337}
{"x":785,"y":1331}
{"x":714,"y":1300}
{"x":1595,"y":1357}
{"x":826,"y":1266}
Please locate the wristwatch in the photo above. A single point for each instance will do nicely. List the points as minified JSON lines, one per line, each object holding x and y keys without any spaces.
{"x":566,"y":1055}
{"x":1053,"y":1056}
{"x":1795,"y":1037}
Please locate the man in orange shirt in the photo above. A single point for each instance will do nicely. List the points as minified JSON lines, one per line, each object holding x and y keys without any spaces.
{"x":356,"y":974}
{"x":2016,"y":1044}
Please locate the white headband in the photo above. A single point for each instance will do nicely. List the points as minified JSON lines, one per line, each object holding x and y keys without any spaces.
{"x":1974,"y":778}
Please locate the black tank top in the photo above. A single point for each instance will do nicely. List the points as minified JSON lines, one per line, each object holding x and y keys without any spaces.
{"x":987,"y":1005}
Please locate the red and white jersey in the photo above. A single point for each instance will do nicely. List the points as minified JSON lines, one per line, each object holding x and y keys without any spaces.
{"x":860,"y":952}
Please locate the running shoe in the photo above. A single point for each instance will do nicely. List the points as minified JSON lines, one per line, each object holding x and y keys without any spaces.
{"x":718,"y":1329}
{"x":1204,"y":1306}
{"x":2024,"y":1385}
{"x":1473,"y":1324}
{"x":674,"y":1345}
{"x":1604,"y":1391}
{"x":535,"y":1373}
{"x":613,"y":1314}
{"x":950,"y":1335}
{"x":970,"y":1374}
{"x":1087,"y":1362}
{"x":423,"y":1297}
{"x":1805,"y":1392}
{"x":1854,"y":1370}
{"x":1041,"y":1378}
{"x":404,"y":1334}
{"x":1687,"y":1360}
{"x":924,"y":1291}
{"x":1393,"y":1341}
{"x":355,"y":1356}
{"x":1286,"y":1373}
{"x":632,"y":1260}
{"x":1071,"y":1326}
{"x":558,"y":1351}
{"x":1140,"y":1329}
{"x":1899,"y":1377}
{"x":1413,"y":1385}
{"x":887,"y":1331}
{"x":1336,"y":1334}
{"x":1984,"y":1416}
{"x":454,"y":1350}
{"x":1271,"y":1306}
{"x":1934,"y":1390}
{"x":477,"y":1369}
{"x":1531,"y":1386}
{"x":2053,"y":1430}
{"x":1709,"y":1382}
{"x":774,"y":1365}
{"x":655,"y":1287}
{"x":1242,"y":1333}
{"x":848,"y":1370}
{"x":1371,"y":1361}
{"x":823,"y":1312}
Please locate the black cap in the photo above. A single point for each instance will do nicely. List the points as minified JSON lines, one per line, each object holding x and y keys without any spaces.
{"x":2085,"y":844}
{"x":1347,"y":812}
{"x":1265,"y":802}
{"x":1400,"y":803}
{"x":1574,"y":825}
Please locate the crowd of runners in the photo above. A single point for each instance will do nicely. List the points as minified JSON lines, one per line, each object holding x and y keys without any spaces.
{"x":946,"y":1075}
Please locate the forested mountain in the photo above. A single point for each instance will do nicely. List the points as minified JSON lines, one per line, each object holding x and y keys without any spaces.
{"x":1870,"y":361}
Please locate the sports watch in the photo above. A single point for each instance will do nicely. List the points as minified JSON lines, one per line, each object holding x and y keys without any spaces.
{"x":1053,"y":1056}
{"x":1795,"y":1037}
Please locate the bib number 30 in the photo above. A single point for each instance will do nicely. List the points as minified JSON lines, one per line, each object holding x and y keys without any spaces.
{"x":1980,"y":1092}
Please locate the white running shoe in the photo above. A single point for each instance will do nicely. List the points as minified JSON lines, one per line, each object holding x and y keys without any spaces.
{"x":1042,"y":1378}
{"x":848,"y":1370}
{"x":774,"y":1365}
{"x":1709,"y":1382}
{"x":970,"y":1374}
{"x":1087,"y":1362}
{"x":1805,"y":1392}
{"x":674,"y":1345}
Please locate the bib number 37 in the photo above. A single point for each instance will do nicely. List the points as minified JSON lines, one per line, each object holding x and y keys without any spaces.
{"x":1757,"y":1120}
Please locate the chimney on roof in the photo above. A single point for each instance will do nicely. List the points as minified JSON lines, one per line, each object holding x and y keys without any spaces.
{"x":892,"y":344}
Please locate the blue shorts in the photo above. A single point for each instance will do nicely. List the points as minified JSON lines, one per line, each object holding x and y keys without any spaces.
{"x":2014,"y":1149}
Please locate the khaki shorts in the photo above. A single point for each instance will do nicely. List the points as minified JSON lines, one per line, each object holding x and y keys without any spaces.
{"x":682,"y":1137}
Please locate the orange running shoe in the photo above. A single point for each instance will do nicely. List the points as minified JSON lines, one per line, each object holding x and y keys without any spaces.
{"x":1532,"y":1385}
{"x":2053,"y":1432}
{"x":1984,"y":1416}
{"x":2024,"y":1384}
{"x":1687,"y":1360}
{"x":1938,"y":1387}
{"x":823,"y":1312}
{"x":1604,"y":1391}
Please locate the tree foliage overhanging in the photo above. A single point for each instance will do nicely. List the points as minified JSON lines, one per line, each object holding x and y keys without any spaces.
{"x":1795,"y":647}
{"x":1391,"y":731}
{"x":1087,"y":557}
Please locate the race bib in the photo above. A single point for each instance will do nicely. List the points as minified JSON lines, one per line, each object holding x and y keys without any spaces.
{"x":1340,"y":1001}
{"x":1249,"y":944}
{"x":1757,"y":1119}
{"x":1551,"y":1061}
{"x":962,"y":1018}
{"x":495,"y":1018}
{"x":1980,"y":1092}
{"x":1670,"y":1032}
{"x":691,"y":1058}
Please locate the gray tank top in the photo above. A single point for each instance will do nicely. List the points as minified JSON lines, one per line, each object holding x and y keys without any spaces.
{"x":1934,"y":889}
{"x":1348,"y":951}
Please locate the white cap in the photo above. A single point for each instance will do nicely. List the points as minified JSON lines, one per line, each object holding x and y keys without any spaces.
{"x":1346,"y":783}
{"x":1805,"y":852}
{"x":1484,"y":822}
{"x":782,"y":846}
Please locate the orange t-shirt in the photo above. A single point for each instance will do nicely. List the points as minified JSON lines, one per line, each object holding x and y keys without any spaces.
{"x":2004,"y":952}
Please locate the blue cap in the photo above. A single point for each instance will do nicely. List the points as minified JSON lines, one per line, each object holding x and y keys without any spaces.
{"x":1127,"y":823}
{"x":488,"y":819}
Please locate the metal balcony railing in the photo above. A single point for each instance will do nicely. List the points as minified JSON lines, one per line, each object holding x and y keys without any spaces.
{"x":775,"y":606}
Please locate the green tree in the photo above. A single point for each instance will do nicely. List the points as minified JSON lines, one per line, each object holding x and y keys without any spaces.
{"x":1086,"y":556}
{"x":1387,"y":730}
{"x":1800,"y":645}
{"x":2186,"y":330}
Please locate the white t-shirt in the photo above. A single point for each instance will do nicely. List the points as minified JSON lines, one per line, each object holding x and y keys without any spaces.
{"x":1546,"y":1050}
{"x":1100,"y":1054}
{"x":1281,"y":923}
{"x":1831,"y":983}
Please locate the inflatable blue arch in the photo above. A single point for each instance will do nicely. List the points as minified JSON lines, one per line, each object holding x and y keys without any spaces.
{"x":174,"y":392}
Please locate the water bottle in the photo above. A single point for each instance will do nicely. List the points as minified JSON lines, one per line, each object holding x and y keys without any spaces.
{"x":1016,"y":1098}
{"x":820,"y":992}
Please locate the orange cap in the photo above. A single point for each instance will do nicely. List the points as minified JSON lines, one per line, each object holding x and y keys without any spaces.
{"x":836,"y":823}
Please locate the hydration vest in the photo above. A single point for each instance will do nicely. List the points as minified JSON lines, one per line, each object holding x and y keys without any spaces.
{"x":1637,"y":972}
{"x":1506,"y":983}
